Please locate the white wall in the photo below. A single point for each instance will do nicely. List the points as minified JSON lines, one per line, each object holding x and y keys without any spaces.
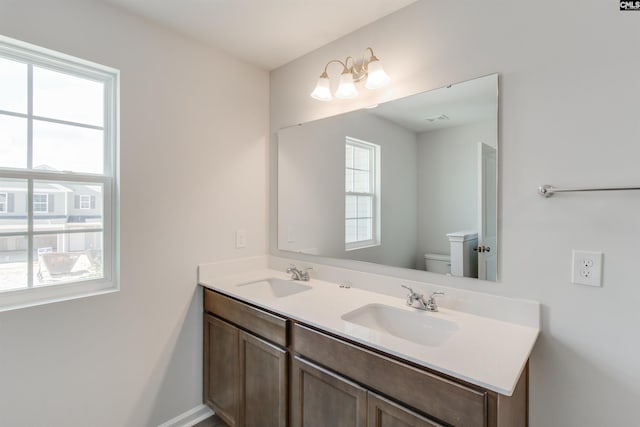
{"x":311,"y":168}
{"x":448,"y":183}
{"x":569,"y":102}
{"x":194,"y":124}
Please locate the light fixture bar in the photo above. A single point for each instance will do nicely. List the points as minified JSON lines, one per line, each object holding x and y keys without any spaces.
{"x":370,"y":68}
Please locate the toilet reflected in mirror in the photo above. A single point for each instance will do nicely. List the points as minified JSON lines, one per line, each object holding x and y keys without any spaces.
{"x":462,"y":260}
{"x":437,"y":263}
{"x":464,"y":257}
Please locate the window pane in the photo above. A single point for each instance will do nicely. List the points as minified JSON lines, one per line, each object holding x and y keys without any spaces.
{"x":40,"y":203}
{"x":13,"y":206}
{"x":350,"y":231}
{"x":13,"y":86}
{"x":364,"y":229}
{"x":364,"y":207}
{"x":13,"y":262}
{"x":348,"y":180}
{"x":350,"y":206}
{"x":85,"y":201}
{"x":67,"y":148}
{"x":361,"y":158}
{"x":361,"y":182}
{"x":349,"y":156}
{"x":67,"y":257}
{"x":69,"y":206}
{"x":65,"y":97}
{"x":13,"y":141}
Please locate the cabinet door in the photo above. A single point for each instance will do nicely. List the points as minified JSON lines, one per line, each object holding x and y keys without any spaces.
{"x":384,"y":413}
{"x":221,"y":377}
{"x":321,"y":398}
{"x":263,"y":383}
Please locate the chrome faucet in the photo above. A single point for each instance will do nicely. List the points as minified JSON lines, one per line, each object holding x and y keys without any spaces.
{"x":297,"y":274}
{"x":428,"y":305}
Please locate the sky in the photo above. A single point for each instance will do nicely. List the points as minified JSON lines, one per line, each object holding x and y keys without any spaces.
{"x":57,"y":96}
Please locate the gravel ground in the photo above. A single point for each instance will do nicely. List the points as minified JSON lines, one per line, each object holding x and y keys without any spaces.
{"x":13,"y":275}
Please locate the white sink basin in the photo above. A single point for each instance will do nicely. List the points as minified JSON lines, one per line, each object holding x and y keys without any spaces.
{"x":273,"y":288}
{"x":420,"y":327}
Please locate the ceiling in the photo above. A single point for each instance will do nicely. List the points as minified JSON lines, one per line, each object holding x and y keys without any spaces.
{"x":463,"y":103}
{"x":267,"y":33}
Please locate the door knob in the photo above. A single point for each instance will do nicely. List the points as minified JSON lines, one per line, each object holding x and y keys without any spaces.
{"x":482,"y":249}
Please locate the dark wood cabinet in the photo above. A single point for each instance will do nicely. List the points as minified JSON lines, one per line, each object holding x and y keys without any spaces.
{"x":263,"y":383}
{"x":249,"y":354}
{"x":321,"y":398}
{"x":221,"y":368}
{"x":245,"y":376}
{"x":452,"y":402}
{"x":385,"y":413}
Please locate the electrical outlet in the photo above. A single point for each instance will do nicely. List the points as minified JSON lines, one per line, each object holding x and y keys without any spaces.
{"x":587,"y":268}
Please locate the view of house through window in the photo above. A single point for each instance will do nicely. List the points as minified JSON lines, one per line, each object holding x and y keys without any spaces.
{"x":57,"y":169}
{"x":362,"y":201}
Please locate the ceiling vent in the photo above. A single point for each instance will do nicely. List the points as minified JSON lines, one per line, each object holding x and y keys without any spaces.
{"x":437,"y":118}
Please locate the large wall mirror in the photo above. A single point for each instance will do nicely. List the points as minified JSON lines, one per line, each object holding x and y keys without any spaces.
{"x":410,"y":183}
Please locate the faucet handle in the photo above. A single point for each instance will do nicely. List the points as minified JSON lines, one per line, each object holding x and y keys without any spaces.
{"x":406,"y":287}
{"x":431,"y":302}
{"x":412,"y":296}
{"x":304,"y":274}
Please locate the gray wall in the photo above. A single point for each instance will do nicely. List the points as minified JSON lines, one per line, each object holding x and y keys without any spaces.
{"x":448,"y":183}
{"x":194,"y":124}
{"x":568,"y":117}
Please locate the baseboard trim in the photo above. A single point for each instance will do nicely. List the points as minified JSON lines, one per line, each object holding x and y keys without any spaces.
{"x":190,"y":418}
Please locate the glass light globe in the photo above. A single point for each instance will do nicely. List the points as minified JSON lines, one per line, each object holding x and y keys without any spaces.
{"x":377,"y":77}
{"x":322,"y":92}
{"x":346,"y":88}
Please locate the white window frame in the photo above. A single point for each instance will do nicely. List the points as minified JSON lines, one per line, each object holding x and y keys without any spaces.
{"x":84,"y":198}
{"x":37,"y":56}
{"x":4,"y":206}
{"x":39,"y":205}
{"x":374,"y":185}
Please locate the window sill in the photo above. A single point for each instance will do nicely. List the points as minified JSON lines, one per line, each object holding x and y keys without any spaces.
{"x":31,"y":297}
{"x":361,"y":245}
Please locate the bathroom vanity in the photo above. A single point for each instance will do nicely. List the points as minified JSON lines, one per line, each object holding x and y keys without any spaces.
{"x":279,"y":352}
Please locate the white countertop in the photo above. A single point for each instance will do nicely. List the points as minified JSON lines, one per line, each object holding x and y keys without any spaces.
{"x":484,"y":351}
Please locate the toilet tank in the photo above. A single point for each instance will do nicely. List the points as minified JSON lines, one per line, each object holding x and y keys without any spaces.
{"x":464,"y":260}
{"x":437,"y":263}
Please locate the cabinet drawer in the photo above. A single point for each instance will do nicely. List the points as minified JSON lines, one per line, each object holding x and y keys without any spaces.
{"x":439,"y":397}
{"x":261,"y":323}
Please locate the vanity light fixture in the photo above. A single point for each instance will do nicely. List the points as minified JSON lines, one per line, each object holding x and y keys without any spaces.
{"x":369,"y":68}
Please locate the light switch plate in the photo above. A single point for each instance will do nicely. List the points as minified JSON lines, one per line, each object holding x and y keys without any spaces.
{"x":291,"y":234}
{"x":587,"y":268}
{"x":241,"y":239}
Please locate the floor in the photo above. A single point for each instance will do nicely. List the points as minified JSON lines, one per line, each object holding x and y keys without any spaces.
{"x":211,"y":422}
